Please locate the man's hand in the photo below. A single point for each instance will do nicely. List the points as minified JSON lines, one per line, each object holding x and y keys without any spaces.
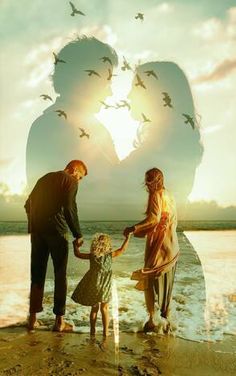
{"x":78,"y":242}
{"x":128,"y":230}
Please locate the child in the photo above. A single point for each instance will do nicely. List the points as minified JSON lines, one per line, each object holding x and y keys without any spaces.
{"x":94,"y":289}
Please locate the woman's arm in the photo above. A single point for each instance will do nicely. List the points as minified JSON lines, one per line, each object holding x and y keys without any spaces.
{"x":123,"y":247}
{"x":140,"y":229}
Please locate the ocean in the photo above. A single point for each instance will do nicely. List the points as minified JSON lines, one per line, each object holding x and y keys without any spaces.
{"x":203,"y":307}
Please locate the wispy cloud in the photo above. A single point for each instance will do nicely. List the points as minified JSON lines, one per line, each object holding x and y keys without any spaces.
{"x":221,"y":71}
{"x":6,"y":162}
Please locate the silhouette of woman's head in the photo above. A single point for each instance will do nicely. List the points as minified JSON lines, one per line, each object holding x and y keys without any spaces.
{"x":166,"y":140}
{"x":71,"y":80}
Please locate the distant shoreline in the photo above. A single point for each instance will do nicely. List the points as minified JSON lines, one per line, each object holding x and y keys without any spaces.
{"x":20,"y":227}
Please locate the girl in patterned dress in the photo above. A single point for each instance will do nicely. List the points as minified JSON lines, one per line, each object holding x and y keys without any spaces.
{"x":94,"y":289}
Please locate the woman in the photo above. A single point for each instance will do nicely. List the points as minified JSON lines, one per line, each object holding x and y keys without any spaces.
{"x":162,"y":250}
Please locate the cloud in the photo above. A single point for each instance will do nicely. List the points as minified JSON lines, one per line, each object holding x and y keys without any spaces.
{"x":164,"y":8}
{"x":6,"y":162}
{"x":207,"y":210}
{"x":221,"y":71}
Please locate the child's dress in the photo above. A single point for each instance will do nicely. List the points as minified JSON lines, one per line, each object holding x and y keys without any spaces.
{"x":95,"y":286}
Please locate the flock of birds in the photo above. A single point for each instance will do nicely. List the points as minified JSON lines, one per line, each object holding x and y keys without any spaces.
{"x":125,"y":66}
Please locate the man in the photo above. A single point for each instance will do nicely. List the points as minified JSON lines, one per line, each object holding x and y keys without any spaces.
{"x":51,"y":207}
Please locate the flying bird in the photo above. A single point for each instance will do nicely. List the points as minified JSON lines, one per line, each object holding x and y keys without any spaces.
{"x":145,"y":119}
{"x":139,"y":16}
{"x":83,"y":133}
{"x":151,"y":73}
{"x":123,"y":103}
{"x":75,"y":11}
{"x":189,"y":119}
{"x":139,"y":82}
{"x":61,"y":113}
{"x":167,"y":100}
{"x":106,"y":105}
{"x":45,"y":97}
{"x":110,"y":74}
{"x":92,"y":72}
{"x":126,"y":65}
{"x":57,"y":60}
{"x":106,"y":59}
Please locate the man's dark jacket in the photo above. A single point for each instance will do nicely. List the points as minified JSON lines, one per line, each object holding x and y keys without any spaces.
{"x":51,"y":206}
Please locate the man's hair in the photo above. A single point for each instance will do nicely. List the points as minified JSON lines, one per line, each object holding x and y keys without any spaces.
{"x":76,"y":163}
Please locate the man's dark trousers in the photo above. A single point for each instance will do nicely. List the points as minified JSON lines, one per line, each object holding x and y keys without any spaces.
{"x":57,"y":246}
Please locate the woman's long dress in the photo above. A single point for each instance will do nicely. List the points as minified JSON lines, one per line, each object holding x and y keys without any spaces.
{"x":162,"y":249}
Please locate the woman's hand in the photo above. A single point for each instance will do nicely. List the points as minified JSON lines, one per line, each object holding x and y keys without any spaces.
{"x":128,"y":230}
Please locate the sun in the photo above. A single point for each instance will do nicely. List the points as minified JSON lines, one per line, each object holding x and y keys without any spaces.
{"x":119,"y":122}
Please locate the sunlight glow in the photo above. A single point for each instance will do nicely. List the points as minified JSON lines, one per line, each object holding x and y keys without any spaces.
{"x":119,"y":121}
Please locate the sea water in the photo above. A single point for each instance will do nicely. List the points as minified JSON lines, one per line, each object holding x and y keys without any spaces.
{"x":203,"y":307}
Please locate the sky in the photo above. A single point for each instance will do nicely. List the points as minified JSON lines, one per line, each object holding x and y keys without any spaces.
{"x":199,"y":36}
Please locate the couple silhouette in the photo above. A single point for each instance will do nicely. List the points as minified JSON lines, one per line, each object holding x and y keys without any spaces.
{"x":112,"y":189}
{"x":166,"y":141}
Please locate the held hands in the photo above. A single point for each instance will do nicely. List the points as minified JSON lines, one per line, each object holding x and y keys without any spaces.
{"x":128,"y":231}
{"x":76,"y":245}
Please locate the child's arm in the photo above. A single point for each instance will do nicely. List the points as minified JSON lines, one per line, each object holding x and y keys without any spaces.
{"x":120,"y":250}
{"x":77,"y":253}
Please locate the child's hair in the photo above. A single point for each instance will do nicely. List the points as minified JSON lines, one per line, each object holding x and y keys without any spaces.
{"x":101,"y":245}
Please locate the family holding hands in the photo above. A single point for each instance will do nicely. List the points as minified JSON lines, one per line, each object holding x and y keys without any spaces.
{"x":51,"y":208}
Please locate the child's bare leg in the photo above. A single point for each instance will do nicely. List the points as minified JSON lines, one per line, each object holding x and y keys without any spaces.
{"x":105,"y":318}
{"x":93,"y":318}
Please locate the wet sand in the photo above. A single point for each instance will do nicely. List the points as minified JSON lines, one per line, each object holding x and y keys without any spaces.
{"x":44,"y":353}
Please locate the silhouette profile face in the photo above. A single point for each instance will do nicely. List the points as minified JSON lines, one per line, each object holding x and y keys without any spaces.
{"x":166,"y":141}
{"x":83,"y":79}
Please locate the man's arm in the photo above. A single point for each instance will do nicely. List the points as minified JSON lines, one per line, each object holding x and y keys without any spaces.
{"x":70,"y":211}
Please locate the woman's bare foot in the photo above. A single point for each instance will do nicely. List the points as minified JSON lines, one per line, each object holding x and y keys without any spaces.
{"x":149,"y":326}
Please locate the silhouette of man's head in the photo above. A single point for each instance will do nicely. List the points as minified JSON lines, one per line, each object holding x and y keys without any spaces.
{"x":167,"y":140}
{"x":71,"y":80}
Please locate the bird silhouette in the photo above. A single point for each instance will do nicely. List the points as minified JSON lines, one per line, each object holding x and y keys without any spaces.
{"x":151,"y":73}
{"x":61,"y":113}
{"x":126,"y":65}
{"x":189,"y":119}
{"x":167,"y":100}
{"x":139,"y":16}
{"x":92,"y":72}
{"x":83,"y":133}
{"x":139,"y":82}
{"x":123,"y":103}
{"x":106,"y":105}
{"x":75,"y":11}
{"x":145,"y":119}
{"x":57,"y":60}
{"x":46,"y":96}
{"x":110,"y":74}
{"x":106,"y":59}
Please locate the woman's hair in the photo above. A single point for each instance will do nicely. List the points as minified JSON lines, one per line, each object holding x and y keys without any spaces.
{"x":154,"y":180}
{"x":101,"y":245}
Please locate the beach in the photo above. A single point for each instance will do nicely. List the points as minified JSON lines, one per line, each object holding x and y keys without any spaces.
{"x":202,"y":340}
{"x":46,"y":353}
